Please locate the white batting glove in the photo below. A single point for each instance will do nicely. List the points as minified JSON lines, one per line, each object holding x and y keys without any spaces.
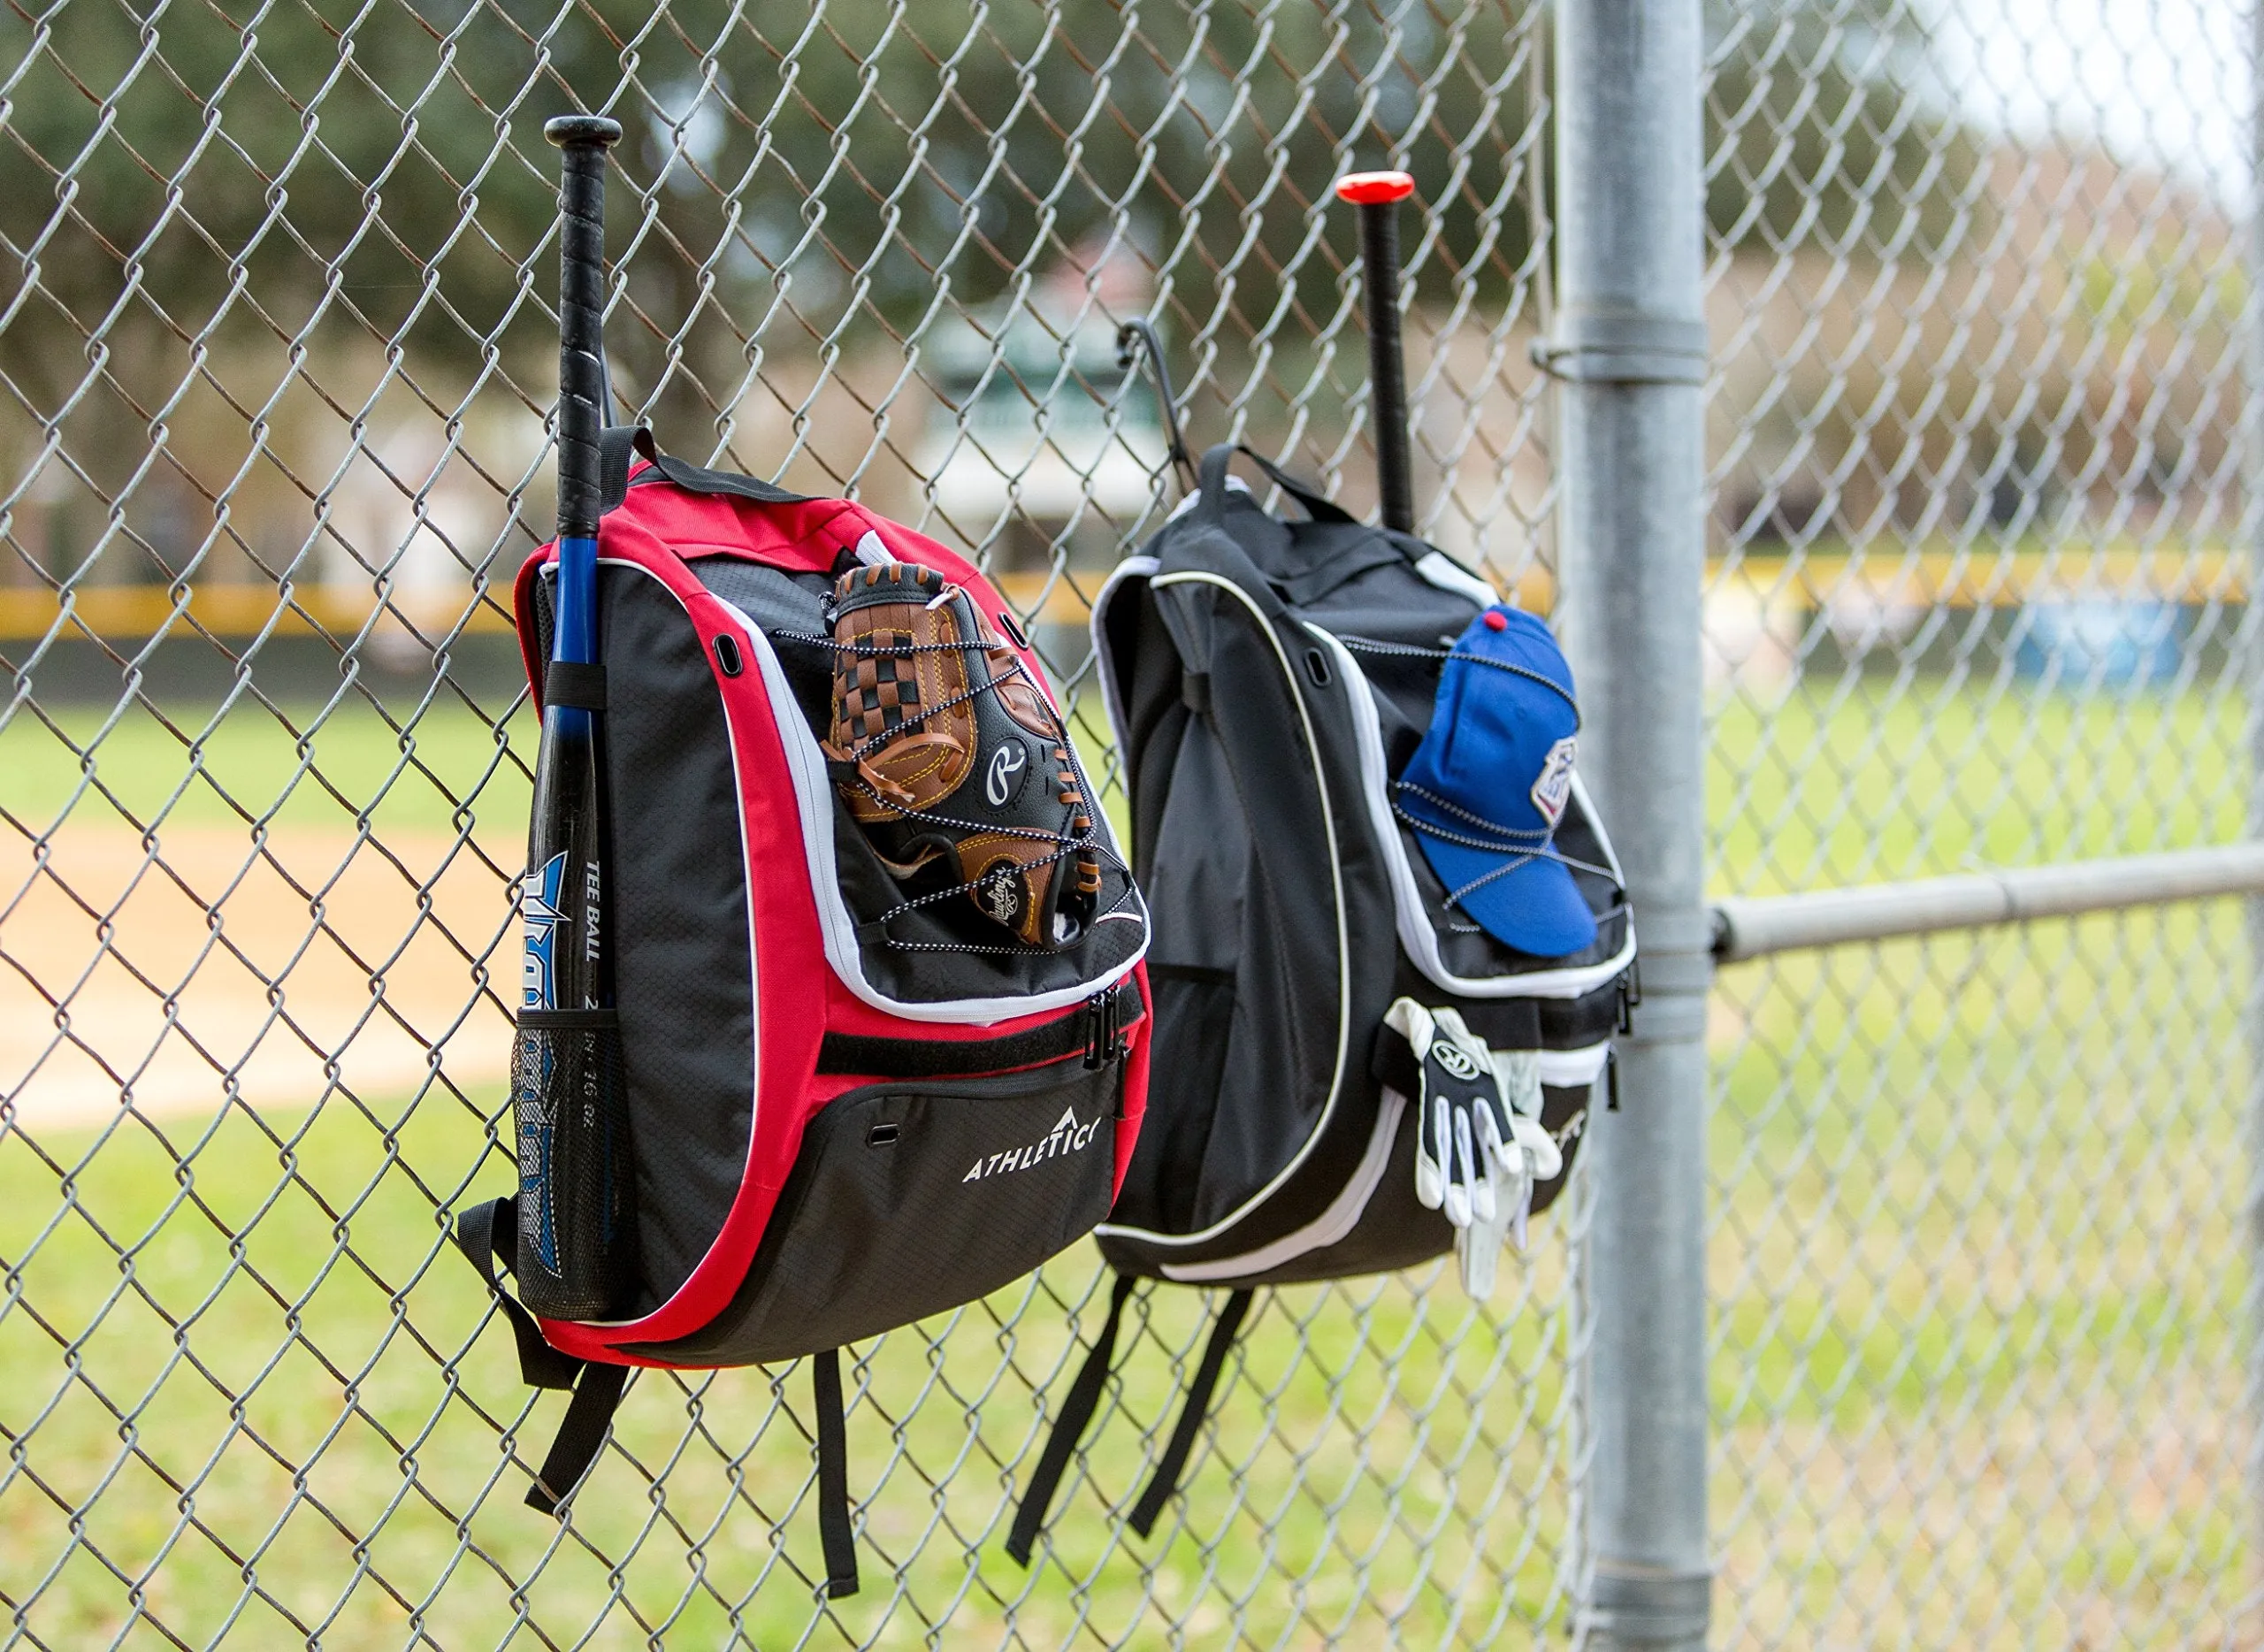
{"x":1479,"y":1143}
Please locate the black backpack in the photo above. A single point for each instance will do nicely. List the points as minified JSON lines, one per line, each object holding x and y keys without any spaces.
{"x":1265,"y":682}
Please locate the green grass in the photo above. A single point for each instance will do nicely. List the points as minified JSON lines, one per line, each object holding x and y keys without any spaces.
{"x":348,"y":1336}
{"x":300,"y":766}
{"x":1975,"y":1264}
{"x":1978,"y":1260}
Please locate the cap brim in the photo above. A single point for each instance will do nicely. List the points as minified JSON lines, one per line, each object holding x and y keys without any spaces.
{"x":1536,"y":907}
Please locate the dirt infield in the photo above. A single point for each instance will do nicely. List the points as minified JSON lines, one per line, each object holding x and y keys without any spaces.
{"x":270,"y":971}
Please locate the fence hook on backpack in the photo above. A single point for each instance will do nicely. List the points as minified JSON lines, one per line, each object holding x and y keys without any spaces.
{"x":1135,"y":338}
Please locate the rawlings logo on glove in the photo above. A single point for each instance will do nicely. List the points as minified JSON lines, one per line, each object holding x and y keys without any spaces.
{"x":1480,"y":1143}
{"x":940,"y":745}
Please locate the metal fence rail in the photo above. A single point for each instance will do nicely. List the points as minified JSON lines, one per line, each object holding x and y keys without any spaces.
{"x":1758,"y":926}
{"x":276,"y":354}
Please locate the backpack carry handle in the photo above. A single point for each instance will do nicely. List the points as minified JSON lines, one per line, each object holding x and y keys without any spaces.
{"x":1213,"y":491}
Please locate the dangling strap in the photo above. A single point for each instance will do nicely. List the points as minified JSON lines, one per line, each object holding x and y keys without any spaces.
{"x":834,"y":1535}
{"x":1077,"y":1408}
{"x":487,"y":1234}
{"x":579,"y":1438}
{"x":1198,"y":1407}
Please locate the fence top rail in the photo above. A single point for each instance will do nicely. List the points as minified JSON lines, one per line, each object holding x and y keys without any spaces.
{"x":1755,"y":927}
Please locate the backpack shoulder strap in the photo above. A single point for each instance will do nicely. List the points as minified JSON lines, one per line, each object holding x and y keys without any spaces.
{"x":487,"y":1234}
{"x":580,"y":1437}
{"x":1077,"y":1408}
{"x":1198,"y":1407}
{"x":835,"y":1536}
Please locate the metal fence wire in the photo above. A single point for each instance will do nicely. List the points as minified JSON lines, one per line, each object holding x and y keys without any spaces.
{"x":277,"y":349}
{"x":1979,"y":528}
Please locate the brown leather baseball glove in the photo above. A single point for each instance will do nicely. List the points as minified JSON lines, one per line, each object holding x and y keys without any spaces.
{"x":945,"y":751}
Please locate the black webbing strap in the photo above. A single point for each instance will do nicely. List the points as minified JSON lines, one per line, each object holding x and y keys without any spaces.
{"x":1317,"y":505}
{"x":579,"y":1438}
{"x":936,"y":1058}
{"x":1198,"y":1407}
{"x":1077,"y":1408}
{"x":572,"y":683}
{"x":583,"y":1020}
{"x":1393,"y":1063}
{"x":693,"y":478}
{"x":617,"y":448}
{"x":487,"y":1234}
{"x":834,"y":1535}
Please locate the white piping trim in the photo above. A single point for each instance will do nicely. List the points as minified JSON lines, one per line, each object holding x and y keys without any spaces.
{"x":1343,"y":944}
{"x":1130,"y":568}
{"x":1570,"y":1069}
{"x":1415,"y":934}
{"x":1438,"y":568}
{"x":813,"y":806}
{"x":1188,"y":501}
{"x":1341,"y":1216}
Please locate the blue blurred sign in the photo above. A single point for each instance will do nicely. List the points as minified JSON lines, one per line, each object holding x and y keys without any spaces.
{"x":2106,"y":640}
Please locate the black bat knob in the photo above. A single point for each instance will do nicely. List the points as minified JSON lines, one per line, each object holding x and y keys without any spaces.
{"x":568,"y":131}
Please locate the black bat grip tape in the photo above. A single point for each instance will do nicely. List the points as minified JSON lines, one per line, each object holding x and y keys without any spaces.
{"x":583,"y":139}
{"x":1386,"y":371}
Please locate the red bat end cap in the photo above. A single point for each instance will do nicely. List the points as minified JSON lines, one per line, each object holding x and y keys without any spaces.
{"x":1374,"y":188}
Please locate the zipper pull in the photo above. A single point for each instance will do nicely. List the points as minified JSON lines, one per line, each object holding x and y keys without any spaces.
{"x":1102,"y":1030}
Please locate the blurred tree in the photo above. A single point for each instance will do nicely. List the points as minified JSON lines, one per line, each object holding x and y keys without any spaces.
{"x":1826,"y":126}
{"x":193,"y":174}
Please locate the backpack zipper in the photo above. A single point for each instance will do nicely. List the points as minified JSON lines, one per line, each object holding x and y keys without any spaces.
{"x":1104,"y":1027}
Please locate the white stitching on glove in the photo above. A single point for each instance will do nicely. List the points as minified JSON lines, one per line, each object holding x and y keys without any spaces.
{"x":1479,"y":1143}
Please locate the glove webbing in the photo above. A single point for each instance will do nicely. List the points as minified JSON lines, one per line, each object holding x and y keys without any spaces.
{"x":1064,"y":845}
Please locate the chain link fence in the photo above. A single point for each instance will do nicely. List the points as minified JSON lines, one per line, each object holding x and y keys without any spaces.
{"x":1980,"y":531}
{"x":276,"y":352}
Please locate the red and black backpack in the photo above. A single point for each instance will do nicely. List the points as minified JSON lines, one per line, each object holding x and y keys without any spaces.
{"x":842,"y":1115}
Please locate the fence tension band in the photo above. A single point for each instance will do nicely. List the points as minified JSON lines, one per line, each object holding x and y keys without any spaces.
{"x":1677,"y":976}
{"x":1633,"y":1608}
{"x":1623,"y":348}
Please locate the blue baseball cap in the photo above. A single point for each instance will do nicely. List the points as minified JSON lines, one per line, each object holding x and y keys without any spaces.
{"x":1485,"y":790}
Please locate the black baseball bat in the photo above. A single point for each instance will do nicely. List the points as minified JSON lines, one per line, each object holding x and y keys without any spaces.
{"x":575,"y":1259}
{"x":1378,"y":195}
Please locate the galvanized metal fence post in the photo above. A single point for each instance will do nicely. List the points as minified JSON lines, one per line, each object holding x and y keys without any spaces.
{"x":1630,"y":345}
{"x":2252,"y":435}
